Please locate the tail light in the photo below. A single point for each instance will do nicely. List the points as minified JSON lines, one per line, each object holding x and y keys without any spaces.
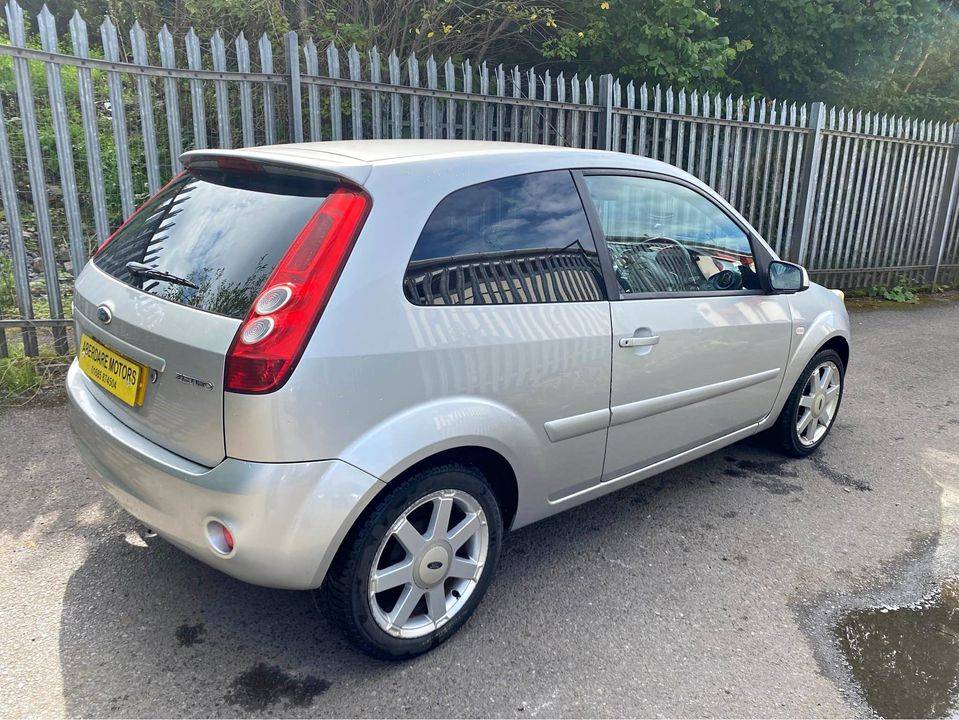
{"x":271,"y":340}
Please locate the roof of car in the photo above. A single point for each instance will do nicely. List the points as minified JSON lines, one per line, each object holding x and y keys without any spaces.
{"x":344,"y":153}
{"x":374,"y":151}
{"x":355,"y":160}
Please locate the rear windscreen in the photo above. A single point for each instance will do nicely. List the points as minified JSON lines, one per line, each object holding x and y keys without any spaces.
{"x":212,"y":238}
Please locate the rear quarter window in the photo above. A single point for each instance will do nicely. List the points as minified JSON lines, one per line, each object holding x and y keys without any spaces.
{"x":520,"y":239}
{"x":221,"y":231}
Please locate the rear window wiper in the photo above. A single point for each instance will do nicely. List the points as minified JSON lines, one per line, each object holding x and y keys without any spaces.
{"x":135,"y":268}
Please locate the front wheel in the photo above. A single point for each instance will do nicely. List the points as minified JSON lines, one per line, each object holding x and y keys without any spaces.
{"x":419,"y":563}
{"x":813,"y":404}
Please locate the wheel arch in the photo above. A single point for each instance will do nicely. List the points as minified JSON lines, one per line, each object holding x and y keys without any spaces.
{"x":494,"y":466}
{"x":840,"y":345}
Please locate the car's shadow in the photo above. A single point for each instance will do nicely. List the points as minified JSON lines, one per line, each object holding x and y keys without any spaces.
{"x":148,"y":631}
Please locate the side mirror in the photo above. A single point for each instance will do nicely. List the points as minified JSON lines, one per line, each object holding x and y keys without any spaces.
{"x":785,"y":277}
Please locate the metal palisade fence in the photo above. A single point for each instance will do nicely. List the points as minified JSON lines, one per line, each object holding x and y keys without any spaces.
{"x":90,"y":126}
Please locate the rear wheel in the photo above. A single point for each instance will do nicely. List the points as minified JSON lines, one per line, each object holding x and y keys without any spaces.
{"x":813,"y":404}
{"x":419,"y":563}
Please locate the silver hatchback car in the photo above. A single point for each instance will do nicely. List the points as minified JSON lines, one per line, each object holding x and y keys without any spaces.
{"x":357,"y":364}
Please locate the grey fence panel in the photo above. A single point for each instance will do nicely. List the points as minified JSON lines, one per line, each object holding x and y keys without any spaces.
{"x":118,"y":116}
{"x":336,"y":109}
{"x":293,"y":82}
{"x":38,"y":185}
{"x":81,"y":49}
{"x":377,"y":101}
{"x":246,"y":90}
{"x":58,"y":114}
{"x":138,"y":42}
{"x":198,"y":106}
{"x":432,"y":129}
{"x":413,"y":69}
{"x":858,"y":198}
{"x":265,"y":48}
{"x":449,"y":77}
{"x":222,"y":91}
{"x":396,"y":100}
{"x":171,"y":98}
{"x":500,"y":107}
{"x":356,"y":100}
{"x":467,"y":70}
{"x":484,"y":119}
{"x":18,"y":253}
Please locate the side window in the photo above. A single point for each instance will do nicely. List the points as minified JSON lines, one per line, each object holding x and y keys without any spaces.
{"x":522,"y":239}
{"x":665,"y":238}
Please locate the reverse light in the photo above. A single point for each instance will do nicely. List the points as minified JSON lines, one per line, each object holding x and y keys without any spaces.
{"x":274,"y":334}
{"x":272,"y":299}
{"x":256,"y":330}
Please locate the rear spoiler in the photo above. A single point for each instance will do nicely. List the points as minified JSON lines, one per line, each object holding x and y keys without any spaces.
{"x":293,"y":157}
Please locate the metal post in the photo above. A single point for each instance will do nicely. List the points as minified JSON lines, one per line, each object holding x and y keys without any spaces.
{"x":604,"y":129}
{"x":295,"y":101}
{"x":808,"y":182}
{"x":947,"y":210}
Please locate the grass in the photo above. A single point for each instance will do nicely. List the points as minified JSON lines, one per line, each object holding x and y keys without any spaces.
{"x":29,"y":380}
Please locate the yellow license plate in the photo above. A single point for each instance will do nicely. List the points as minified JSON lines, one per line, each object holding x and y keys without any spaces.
{"x":116,"y":374}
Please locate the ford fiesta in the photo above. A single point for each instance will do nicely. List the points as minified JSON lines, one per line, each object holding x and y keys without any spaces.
{"x":357,"y":364}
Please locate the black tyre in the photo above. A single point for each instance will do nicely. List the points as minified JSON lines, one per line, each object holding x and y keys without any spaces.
{"x":813,"y":405}
{"x":418,"y":564}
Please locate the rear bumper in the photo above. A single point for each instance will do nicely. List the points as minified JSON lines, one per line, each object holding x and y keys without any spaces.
{"x":287,"y":519}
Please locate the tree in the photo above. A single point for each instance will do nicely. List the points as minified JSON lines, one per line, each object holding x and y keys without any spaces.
{"x":891,"y":55}
{"x":668,"y":41}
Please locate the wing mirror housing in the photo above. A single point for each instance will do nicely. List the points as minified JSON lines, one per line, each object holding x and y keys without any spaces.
{"x":786,"y":278}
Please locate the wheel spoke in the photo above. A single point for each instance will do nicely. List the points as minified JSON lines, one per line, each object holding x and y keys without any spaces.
{"x":833,"y":392}
{"x":826,"y":377}
{"x":436,"y":602}
{"x":409,"y":537}
{"x":440,"y":521}
{"x":464,"y":568}
{"x":399,"y":574}
{"x":810,"y":431}
{"x":463,"y":532}
{"x":405,"y":605}
{"x":804,"y":422}
{"x":805,"y":401}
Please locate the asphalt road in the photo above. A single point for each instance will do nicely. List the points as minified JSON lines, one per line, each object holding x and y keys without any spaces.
{"x":709,"y":590}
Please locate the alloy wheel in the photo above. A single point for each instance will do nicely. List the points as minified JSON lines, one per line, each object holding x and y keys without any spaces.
{"x":818,"y":403}
{"x":428,"y":564}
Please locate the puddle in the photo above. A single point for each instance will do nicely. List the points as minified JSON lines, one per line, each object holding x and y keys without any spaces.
{"x":905,"y":659}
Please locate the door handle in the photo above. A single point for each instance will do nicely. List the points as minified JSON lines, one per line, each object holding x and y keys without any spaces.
{"x":628,"y":342}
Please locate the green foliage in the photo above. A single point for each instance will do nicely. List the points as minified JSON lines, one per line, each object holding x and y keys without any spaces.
{"x":8,"y":294}
{"x":673,"y":41}
{"x":904,"y":290}
{"x":48,"y":147}
{"x":895,"y":56}
{"x":25,"y":379}
{"x":18,"y":377}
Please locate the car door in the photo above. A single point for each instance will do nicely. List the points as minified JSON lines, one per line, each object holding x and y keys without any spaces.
{"x":699,"y":348}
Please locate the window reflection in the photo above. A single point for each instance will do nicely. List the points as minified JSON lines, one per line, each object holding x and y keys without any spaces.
{"x":522,"y":239}
{"x":664,"y":237}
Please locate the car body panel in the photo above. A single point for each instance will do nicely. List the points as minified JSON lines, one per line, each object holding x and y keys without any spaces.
{"x":716,"y":369}
{"x":288,"y":519}
{"x":182,"y":347}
